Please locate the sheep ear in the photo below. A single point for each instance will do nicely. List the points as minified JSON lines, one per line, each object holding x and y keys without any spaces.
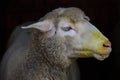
{"x":44,"y":26}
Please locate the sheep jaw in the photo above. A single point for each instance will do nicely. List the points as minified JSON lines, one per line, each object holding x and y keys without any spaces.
{"x":101,"y":57}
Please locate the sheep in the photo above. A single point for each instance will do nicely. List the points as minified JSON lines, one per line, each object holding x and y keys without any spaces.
{"x":52,"y":46}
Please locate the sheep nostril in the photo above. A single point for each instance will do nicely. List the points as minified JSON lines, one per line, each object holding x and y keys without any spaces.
{"x":107,"y":45}
{"x":104,"y":45}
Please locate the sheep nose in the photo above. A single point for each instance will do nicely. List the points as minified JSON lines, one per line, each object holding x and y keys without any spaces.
{"x":107,"y":44}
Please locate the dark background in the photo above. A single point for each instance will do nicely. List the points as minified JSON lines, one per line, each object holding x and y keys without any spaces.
{"x":104,"y":14}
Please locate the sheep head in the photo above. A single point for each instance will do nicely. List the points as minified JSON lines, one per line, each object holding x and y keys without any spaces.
{"x":81,"y":38}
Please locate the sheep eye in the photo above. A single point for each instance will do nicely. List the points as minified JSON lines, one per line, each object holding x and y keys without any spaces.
{"x":86,"y":18}
{"x":66,"y":28}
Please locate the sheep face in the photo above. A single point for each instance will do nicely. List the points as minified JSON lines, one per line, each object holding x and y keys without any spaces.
{"x":81,"y":38}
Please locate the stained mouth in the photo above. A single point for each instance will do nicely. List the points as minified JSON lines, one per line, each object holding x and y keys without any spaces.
{"x":90,"y":53}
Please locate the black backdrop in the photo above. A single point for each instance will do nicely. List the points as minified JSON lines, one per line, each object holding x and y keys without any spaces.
{"x":104,"y":14}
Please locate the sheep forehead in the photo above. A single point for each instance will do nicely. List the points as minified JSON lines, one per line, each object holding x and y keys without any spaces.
{"x":71,"y":13}
{"x":74,"y":14}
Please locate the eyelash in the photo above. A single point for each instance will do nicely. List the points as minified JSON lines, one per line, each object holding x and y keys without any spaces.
{"x":66,"y":28}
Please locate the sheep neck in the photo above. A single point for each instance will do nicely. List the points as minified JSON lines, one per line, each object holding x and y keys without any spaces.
{"x":48,"y":51}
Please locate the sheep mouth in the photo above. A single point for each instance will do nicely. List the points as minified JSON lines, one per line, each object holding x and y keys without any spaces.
{"x":97,"y":55}
{"x":91,"y":53}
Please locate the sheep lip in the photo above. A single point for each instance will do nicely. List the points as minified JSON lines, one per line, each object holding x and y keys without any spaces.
{"x":103,"y":55}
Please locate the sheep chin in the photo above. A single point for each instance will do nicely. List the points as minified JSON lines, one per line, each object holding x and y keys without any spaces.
{"x":100,"y":57}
